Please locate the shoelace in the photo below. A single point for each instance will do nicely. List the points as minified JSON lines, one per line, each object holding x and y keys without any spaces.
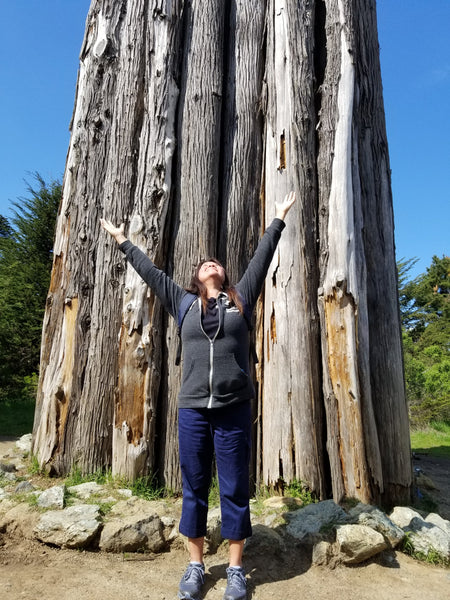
{"x":194,"y":573}
{"x":236,"y":579}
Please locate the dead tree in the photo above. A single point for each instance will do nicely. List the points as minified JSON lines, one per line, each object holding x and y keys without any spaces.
{"x":190,"y":120}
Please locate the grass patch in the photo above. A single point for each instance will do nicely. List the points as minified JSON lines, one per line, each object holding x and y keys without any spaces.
{"x":144,"y":487}
{"x":76,"y":477}
{"x":297,"y":489}
{"x":16,"y":417}
{"x":147,"y":487}
{"x":433,"y":440}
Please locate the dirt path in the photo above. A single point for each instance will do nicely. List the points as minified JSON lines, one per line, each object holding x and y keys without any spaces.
{"x":32,"y":571}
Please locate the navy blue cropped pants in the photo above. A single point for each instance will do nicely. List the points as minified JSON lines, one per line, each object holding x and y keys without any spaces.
{"x":225,"y":432}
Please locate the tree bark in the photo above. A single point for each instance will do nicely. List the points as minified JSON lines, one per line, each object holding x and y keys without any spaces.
{"x":101,"y":351}
{"x":191,"y":119}
{"x":292,"y":403}
{"x":194,"y":224}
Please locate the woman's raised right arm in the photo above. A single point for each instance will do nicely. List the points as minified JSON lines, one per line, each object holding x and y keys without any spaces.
{"x":164,"y":287}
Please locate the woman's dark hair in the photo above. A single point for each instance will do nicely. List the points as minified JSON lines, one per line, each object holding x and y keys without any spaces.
{"x":199,"y":289}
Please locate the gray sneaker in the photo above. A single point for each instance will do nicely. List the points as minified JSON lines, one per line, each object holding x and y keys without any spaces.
{"x":237,"y":584}
{"x":192,"y":581}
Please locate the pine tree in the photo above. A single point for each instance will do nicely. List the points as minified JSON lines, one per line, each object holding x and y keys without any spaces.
{"x":26,"y":246}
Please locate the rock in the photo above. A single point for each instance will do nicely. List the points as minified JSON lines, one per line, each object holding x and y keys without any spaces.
{"x":7,"y":467}
{"x":273,"y":519}
{"x":73,"y":527}
{"x":132,"y":534}
{"x":3,"y":494}
{"x":85,"y":490}
{"x":322,"y":553}
{"x":5,"y":506}
{"x":365,"y":514}
{"x":439,"y":521}
{"x":277,"y":502}
{"x":10,"y":476}
{"x":403,"y":515}
{"x":357,"y":543}
{"x":264,"y":541}
{"x":24,"y":443}
{"x":426,"y":535}
{"x":52,"y":497}
{"x":19,"y":519}
{"x":132,"y":527}
{"x":125,"y":492}
{"x":213,"y":537}
{"x":305,"y":524}
{"x":24,"y":487}
{"x":170,"y":529}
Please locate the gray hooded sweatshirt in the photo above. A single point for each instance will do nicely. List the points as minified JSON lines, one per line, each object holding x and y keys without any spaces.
{"x":216,"y":368}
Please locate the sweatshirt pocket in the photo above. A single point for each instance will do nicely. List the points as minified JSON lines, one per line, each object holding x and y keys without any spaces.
{"x":228,"y":375}
{"x":195,"y":377}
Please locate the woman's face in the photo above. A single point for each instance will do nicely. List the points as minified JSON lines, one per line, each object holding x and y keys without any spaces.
{"x":211,"y":270}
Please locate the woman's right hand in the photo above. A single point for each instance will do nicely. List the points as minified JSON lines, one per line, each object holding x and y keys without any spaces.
{"x":116,"y":232}
{"x":282,"y":208}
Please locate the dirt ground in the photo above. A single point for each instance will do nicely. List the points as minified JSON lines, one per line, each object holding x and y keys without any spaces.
{"x":30,"y":570}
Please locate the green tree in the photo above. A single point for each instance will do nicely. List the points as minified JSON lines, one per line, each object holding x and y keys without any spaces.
{"x":26,"y":245}
{"x":425,"y":309}
{"x":5,"y":227}
{"x":410,"y":313}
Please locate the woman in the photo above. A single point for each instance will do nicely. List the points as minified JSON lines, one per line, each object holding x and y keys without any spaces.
{"x":216,"y":391}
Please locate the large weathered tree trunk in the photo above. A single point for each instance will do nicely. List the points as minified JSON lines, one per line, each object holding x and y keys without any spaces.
{"x":191,"y":119}
{"x":292,"y":398}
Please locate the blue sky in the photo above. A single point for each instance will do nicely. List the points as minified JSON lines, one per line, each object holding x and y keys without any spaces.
{"x":40,"y":45}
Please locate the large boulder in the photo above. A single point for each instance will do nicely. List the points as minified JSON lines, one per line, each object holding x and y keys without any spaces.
{"x":430,"y":534}
{"x":306,"y":524}
{"x":133,"y":526}
{"x":357,"y":543}
{"x":265,"y":541}
{"x":18,"y":519}
{"x":365,"y":514}
{"x":73,"y":527}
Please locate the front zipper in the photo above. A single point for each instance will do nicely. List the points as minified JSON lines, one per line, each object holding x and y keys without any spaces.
{"x":211,"y":371}
{"x":211,"y":350}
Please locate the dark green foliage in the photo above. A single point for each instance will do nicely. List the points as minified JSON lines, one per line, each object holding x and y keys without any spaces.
{"x":26,"y":245}
{"x":5,"y":227}
{"x":16,"y":417}
{"x":425,"y":308}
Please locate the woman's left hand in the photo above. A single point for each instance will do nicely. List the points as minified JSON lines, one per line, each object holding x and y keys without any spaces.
{"x":282,"y":208}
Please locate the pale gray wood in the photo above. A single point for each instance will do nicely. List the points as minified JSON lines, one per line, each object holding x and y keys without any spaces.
{"x":349,"y":263}
{"x":292,"y":399}
{"x":102,"y":335}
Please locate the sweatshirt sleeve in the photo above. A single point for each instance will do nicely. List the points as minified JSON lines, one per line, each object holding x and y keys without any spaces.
{"x":163,"y":286}
{"x":252,"y":281}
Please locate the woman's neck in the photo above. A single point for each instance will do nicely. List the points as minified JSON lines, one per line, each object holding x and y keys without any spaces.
{"x":212,"y":291}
